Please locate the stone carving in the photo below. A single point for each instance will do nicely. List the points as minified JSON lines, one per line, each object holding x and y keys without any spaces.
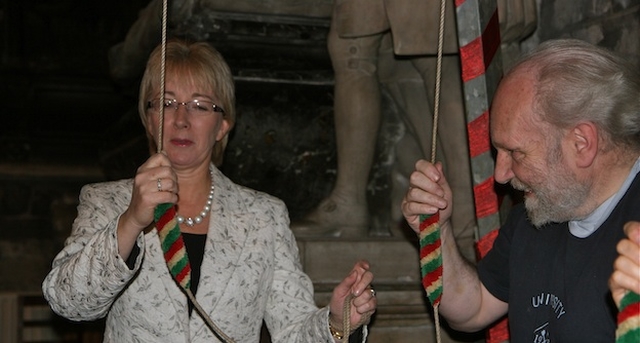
{"x":393,"y":44}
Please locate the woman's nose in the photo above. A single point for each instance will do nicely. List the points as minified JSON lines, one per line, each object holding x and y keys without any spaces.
{"x":180,"y":115}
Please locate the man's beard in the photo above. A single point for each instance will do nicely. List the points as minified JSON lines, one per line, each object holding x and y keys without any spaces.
{"x":554,"y":199}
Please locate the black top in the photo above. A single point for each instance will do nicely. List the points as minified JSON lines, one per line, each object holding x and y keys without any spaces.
{"x":555,"y":283}
{"x":194,"y":244}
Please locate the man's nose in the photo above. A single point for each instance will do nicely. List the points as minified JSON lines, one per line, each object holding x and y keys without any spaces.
{"x":503,"y":172}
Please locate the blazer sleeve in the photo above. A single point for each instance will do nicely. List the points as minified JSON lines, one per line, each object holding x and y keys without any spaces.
{"x":292,"y":315}
{"x":89,"y":274}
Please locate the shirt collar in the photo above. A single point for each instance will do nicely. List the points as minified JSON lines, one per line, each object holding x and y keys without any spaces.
{"x":585,"y":227}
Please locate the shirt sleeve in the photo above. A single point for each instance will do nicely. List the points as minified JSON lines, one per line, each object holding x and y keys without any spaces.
{"x":493,"y":269}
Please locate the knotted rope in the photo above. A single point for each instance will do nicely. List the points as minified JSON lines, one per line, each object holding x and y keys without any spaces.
{"x":430,"y":243}
{"x":346,"y":317}
{"x":175,"y":253}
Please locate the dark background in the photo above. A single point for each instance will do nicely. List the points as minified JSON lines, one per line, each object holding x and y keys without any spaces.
{"x":62,"y":107}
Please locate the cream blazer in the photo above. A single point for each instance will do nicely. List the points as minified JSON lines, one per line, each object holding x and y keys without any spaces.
{"x":251,"y":272}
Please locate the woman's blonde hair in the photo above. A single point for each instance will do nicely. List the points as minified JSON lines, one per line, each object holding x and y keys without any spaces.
{"x":199,"y":63}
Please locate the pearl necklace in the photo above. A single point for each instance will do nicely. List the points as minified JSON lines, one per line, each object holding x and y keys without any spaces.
{"x":207,"y":208}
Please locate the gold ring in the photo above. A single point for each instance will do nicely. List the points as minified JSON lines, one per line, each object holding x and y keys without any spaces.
{"x":159,"y":185}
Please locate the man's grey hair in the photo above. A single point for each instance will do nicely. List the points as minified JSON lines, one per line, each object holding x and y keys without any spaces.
{"x":578,"y":81}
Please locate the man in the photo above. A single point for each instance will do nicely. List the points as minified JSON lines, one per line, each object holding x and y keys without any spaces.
{"x":565,"y":123}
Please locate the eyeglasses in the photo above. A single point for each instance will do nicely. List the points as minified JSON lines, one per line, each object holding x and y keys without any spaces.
{"x":198,"y":107}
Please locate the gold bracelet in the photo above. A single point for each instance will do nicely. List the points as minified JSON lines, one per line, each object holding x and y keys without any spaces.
{"x":339,"y":335}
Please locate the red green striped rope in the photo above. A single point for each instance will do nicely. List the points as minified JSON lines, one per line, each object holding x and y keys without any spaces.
{"x":431,"y":257}
{"x":175,"y":253}
{"x":165,"y":215}
{"x":430,"y":244}
{"x":628,"y":330}
{"x":431,"y":263}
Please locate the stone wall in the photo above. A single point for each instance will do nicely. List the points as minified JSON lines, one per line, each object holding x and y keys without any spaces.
{"x":614,"y":24}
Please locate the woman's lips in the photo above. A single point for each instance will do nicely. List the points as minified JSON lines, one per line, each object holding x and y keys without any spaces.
{"x":181,"y":142}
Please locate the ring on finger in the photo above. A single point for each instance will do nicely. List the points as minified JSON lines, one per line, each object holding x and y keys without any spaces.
{"x":159,"y":184}
{"x":372,"y":291}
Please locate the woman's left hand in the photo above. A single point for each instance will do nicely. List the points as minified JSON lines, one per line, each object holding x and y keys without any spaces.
{"x":363,"y":300}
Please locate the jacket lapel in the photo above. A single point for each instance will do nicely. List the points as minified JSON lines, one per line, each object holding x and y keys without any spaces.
{"x":170,"y":288}
{"x":229,"y":223}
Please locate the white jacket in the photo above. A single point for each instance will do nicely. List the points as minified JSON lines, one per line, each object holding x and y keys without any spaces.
{"x":251,"y":272}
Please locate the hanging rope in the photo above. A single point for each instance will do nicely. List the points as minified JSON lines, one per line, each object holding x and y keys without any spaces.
{"x":430,"y":243}
{"x":162,"y":74}
{"x":175,"y":253}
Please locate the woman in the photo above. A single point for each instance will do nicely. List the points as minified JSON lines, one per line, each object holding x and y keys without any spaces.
{"x":244,"y":259}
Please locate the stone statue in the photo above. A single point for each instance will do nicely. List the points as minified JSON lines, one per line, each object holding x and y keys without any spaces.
{"x":393,"y":44}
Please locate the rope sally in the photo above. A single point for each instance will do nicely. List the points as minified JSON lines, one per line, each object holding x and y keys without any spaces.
{"x":172,"y":243}
{"x":430,"y":243}
{"x":175,"y":253}
{"x":431,"y":263}
{"x":628,"y":330}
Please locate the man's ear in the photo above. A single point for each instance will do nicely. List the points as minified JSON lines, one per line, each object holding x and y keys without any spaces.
{"x":584,"y":143}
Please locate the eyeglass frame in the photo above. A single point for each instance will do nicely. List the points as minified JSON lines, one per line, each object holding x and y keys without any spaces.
{"x":173,"y":103}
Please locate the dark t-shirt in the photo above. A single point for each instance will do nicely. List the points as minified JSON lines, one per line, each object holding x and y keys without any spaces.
{"x":555,"y":283}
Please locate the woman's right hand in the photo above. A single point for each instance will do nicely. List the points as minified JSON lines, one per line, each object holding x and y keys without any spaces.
{"x":428,"y":193}
{"x":155,"y":183}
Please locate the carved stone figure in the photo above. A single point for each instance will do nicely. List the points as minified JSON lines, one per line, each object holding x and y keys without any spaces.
{"x":393,"y":44}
